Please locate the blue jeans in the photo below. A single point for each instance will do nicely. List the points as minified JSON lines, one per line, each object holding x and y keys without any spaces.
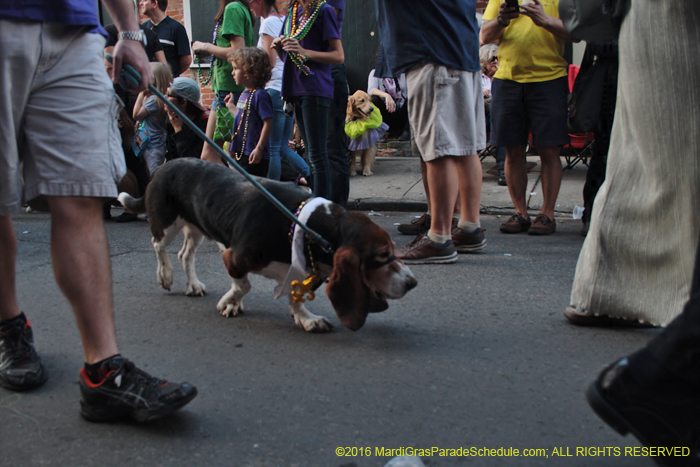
{"x":282,"y":126}
{"x":312,"y":114}
{"x":337,"y":150}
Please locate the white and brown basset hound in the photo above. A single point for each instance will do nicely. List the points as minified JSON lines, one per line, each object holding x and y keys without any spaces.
{"x":208,"y":200}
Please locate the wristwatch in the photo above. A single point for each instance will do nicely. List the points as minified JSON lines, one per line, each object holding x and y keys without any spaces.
{"x":137,"y":36}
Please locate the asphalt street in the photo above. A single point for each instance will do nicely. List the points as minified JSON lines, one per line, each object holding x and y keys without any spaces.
{"x":477,"y":356}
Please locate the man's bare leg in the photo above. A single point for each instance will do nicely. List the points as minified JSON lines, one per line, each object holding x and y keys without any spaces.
{"x":20,"y":365}
{"x":82,"y":266}
{"x":8,"y":256}
{"x":444,"y":186}
{"x":516,"y":176}
{"x":551,"y":178}
{"x":470,"y":179}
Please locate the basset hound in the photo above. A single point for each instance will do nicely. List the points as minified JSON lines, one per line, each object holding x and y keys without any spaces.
{"x":209,"y":200}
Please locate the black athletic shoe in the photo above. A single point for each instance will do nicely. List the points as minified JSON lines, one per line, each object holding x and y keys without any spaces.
{"x":127,"y":392}
{"x":20,"y":365}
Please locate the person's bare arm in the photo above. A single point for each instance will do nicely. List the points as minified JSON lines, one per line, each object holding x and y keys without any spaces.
{"x":160,"y":57}
{"x":131,"y":52}
{"x":336,"y":56}
{"x":492,"y":29}
{"x":237,"y":42}
{"x":256,"y":155}
{"x":267,"y":46}
{"x":535,"y":11}
{"x":140,"y":112}
{"x":185,"y":62}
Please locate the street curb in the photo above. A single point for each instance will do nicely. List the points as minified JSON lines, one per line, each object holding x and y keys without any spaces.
{"x":386,"y":205}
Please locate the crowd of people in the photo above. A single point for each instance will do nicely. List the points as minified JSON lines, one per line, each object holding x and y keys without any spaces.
{"x":636,"y":263}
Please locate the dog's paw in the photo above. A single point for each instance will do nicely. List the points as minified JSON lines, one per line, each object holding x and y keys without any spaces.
{"x":164,"y":276}
{"x":196,"y":289}
{"x":353,"y":172}
{"x":367,"y":173}
{"x":318,"y":324}
{"x":310,"y":322}
{"x":229,"y":308}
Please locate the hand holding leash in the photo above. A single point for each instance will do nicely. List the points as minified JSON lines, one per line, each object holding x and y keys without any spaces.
{"x":131,"y":54}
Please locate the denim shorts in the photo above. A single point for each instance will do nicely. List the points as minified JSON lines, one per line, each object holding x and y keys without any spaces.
{"x":517,"y":108}
{"x":58,"y":121}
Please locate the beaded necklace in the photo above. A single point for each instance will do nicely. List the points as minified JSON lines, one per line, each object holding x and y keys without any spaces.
{"x":246,"y":117}
{"x":212,"y":60}
{"x":298,"y":30}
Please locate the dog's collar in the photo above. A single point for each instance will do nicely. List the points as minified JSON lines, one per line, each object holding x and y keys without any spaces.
{"x":379,"y":264}
{"x":298,"y":268}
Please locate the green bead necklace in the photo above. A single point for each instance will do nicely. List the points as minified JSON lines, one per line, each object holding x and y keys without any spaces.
{"x":299,"y":31}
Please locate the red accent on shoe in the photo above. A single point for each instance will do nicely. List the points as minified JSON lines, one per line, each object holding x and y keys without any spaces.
{"x":88,"y":381}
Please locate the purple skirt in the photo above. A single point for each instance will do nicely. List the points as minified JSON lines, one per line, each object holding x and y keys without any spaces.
{"x":368,"y":139}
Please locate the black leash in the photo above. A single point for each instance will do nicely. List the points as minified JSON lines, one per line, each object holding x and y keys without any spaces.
{"x":131,"y":78}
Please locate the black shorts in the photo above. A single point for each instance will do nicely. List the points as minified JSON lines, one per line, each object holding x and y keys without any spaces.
{"x":517,"y":108}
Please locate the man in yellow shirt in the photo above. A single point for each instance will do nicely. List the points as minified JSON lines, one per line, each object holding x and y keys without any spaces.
{"x":529,"y":94}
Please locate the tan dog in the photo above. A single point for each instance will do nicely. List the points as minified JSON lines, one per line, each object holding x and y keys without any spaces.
{"x":360,"y":108}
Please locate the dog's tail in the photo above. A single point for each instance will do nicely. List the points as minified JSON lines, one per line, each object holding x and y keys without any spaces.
{"x":134,"y":205}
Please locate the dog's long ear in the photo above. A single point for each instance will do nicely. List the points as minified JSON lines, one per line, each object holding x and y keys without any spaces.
{"x":348,"y":292}
{"x":349,"y":110}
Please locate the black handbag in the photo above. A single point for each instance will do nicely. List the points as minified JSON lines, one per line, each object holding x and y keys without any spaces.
{"x":586,"y":98}
{"x":593,"y":20}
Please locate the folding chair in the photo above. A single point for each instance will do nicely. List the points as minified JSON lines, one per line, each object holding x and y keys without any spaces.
{"x":489,"y":150}
{"x":580,"y":145}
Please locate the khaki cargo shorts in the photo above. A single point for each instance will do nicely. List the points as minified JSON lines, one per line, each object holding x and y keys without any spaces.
{"x":446,"y":111}
{"x":58,"y":115}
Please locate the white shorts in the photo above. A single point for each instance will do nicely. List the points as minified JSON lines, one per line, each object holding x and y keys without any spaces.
{"x":58,"y":115}
{"x":446,"y":111}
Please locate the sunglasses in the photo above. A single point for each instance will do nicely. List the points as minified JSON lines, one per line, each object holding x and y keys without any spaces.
{"x":493,"y":59}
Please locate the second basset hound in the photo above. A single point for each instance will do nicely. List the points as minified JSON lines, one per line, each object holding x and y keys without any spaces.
{"x":205,"y":199}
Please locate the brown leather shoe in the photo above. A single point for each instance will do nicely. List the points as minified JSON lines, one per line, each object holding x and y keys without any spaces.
{"x":465,"y":243}
{"x":515,"y":224}
{"x":543,"y":225}
{"x":417,"y":226}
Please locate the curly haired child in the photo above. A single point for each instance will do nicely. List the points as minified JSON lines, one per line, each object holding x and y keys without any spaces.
{"x":253,"y":113}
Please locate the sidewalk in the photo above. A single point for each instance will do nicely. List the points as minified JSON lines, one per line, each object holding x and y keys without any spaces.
{"x":397,"y":186}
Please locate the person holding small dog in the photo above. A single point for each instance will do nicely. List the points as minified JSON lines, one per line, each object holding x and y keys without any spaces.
{"x":309,"y":45}
{"x":391,"y":98}
{"x":253,"y":114}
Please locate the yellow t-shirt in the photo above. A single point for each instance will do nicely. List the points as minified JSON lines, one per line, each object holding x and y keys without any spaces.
{"x":528,"y":53}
